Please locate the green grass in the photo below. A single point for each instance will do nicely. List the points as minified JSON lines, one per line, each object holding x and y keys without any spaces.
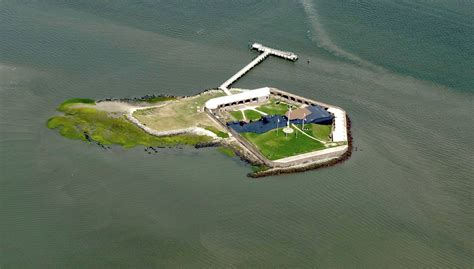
{"x":249,"y":115}
{"x":252,"y":114}
{"x":111,"y":130}
{"x":68,"y":102}
{"x":319,"y":131}
{"x":276,"y":147}
{"x":274,"y":107}
{"x":237,"y":115}
{"x":217,"y":132}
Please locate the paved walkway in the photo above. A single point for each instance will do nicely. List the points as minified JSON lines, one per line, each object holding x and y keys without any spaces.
{"x":334,"y":150}
{"x":243,"y":115}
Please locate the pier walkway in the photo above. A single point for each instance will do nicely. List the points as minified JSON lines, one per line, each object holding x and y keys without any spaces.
{"x":243,"y":71}
{"x":266,"y":51}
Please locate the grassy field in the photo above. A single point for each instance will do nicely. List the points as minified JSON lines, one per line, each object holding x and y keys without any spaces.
{"x":237,"y":115}
{"x":103,"y":128}
{"x":319,"y":131}
{"x":276,"y":147}
{"x":249,"y":115}
{"x":179,"y":114}
{"x":252,"y":114}
{"x":274,"y":107}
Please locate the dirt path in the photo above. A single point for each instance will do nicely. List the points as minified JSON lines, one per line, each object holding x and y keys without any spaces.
{"x":112,"y":106}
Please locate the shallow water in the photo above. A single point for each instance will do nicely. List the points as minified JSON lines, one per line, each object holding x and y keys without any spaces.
{"x":402,"y":70}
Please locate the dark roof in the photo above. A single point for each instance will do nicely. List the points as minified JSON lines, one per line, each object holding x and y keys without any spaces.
{"x":318,"y":114}
{"x":261,"y":126}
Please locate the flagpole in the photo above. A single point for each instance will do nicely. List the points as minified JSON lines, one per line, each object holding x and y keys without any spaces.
{"x":288,"y":122}
{"x":278,"y":121}
{"x":289,"y":116}
{"x":304,"y":117}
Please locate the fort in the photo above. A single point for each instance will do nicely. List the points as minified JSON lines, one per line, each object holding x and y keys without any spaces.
{"x":274,"y":130}
{"x":338,"y":135}
{"x":218,"y":108}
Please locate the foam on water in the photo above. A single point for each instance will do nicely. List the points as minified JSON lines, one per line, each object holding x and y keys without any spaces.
{"x":322,"y":38}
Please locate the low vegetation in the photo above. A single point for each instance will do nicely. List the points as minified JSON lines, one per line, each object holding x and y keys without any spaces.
{"x":259,"y":168}
{"x":276,"y":145}
{"x":96,"y":125}
{"x":219,"y":133}
{"x":69,"y":102}
{"x":179,"y":114}
{"x":227,"y":151}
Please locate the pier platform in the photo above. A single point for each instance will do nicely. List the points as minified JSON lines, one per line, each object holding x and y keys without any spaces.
{"x":279,"y":53}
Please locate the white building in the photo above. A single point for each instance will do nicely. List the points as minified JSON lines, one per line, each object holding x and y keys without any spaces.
{"x":258,"y":96}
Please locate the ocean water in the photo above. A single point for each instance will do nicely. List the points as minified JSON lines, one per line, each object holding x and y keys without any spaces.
{"x":403,"y":70}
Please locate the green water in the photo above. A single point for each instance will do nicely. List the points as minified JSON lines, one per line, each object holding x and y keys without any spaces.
{"x":402,"y":70}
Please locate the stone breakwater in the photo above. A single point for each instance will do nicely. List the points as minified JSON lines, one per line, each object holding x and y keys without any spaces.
{"x":90,"y":140}
{"x":144,"y":98}
{"x":149,"y":97}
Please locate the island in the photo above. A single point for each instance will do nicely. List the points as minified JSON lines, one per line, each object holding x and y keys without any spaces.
{"x":274,"y":130}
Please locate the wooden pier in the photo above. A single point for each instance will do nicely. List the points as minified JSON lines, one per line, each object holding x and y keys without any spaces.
{"x":266,"y":51}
